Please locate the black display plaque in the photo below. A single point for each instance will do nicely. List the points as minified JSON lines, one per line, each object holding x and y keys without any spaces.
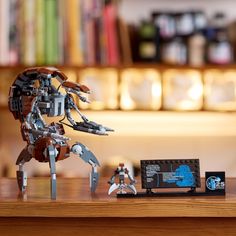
{"x":170,"y":173}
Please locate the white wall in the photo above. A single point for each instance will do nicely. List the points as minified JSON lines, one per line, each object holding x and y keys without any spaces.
{"x":135,"y":10}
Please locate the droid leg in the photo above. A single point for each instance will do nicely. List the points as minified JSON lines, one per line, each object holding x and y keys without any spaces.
{"x":21,"y":175}
{"x":87,"y":156}
{"x":52,"y":163}
{"x":94,"y":177}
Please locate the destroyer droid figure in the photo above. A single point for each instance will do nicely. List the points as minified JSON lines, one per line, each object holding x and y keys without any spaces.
{"x":121,"y":171}
{"x":33,"y":95}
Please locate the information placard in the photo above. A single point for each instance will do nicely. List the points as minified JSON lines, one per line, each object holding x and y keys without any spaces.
{"x":176,"y":173}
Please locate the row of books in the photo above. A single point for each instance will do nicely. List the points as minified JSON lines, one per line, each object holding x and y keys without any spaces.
{"x":149,"y":88}
{"x":59,"y":32}
{"x":92,"y":32}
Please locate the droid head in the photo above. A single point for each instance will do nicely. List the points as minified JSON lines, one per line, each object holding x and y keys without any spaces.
{"x":121,"y":165}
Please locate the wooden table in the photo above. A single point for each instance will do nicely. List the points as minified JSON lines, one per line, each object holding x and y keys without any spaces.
{"x":77,"y":212}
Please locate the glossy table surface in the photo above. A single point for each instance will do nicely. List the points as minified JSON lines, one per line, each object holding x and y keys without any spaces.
{"x":75,"y":200}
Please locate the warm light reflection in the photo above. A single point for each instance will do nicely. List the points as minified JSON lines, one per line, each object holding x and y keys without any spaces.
{"x":103,"y":84}
{"x":182,"y":90}
{"x":220,"y":90}
{"x":195,"y":92}
{"x":140,"y":89}
{"x":126,"y":102}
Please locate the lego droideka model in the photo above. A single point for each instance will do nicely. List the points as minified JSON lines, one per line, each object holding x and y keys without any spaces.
{"x":33,"y":95}
{"x":121,"y":171}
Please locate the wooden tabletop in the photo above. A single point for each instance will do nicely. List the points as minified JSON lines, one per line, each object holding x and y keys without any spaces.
{"x":75,"y":200}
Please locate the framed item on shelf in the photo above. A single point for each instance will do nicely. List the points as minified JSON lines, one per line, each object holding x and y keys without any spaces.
{"x":220,"y":90}
{"x":104,"y":84}
{"x":182,"y":89}
{"x":175,"y":173}
{"x":215,"y":181}
{"x":140,"y":89}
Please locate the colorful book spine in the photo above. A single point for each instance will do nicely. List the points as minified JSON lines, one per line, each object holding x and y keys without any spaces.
{"x":28,"y":32}
{"x":62,"y":33}
{"x":98,"y":27}
{"x":51,"y":32}
{"x":124,"y":42}
{"x":102,"y":36}
{"x":110,"y":17}
{"x":4,"y":31}
{"x":40,"y":32}
{"x":73,"y":24}
{"x":13,"y":33}
{"x":89,"y":33}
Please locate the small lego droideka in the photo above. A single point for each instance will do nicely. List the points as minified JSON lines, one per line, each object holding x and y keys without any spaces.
{"x":33,"y":95}
{"x":121,"y":171}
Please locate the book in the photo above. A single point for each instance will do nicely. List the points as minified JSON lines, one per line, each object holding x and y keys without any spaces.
{"x":111,"y":39}
{"x":40,"y":32}
{"x":124,"y":41}
{"x":51,"y":32}
{"x":4,"y":31}
{"x":13,"y":32}
{"x":73,"y":14}
{"x":62,"y":32}
{"x":28,"y":32}
{"x":89,"y":32}
{"x":98,"y":27}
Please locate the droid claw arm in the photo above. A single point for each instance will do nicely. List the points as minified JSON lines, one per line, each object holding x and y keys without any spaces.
{"x":86,"y":125}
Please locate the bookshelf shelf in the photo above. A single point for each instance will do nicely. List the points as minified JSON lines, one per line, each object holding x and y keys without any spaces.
{"x":122,"y":66}
{"x":80,"y":74}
